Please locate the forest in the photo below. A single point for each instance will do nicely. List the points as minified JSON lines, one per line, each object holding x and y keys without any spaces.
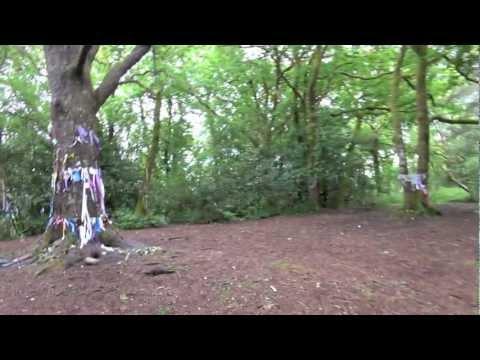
{"x":226,"y":136}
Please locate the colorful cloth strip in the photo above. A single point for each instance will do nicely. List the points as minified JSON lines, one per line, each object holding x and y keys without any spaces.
{"x":416,"y":180}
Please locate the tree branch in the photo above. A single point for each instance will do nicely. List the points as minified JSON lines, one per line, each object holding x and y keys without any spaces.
{"x":364,"y":77}
{"x":291,"y":86}
{"x":455,"y":180}
{"x":82,"y":57}
{"x":111,"y":80}
{"x":460,"y":71}
{"x":368,"y":108}
{"x":456,"y":122}
{"x":414,"y":88}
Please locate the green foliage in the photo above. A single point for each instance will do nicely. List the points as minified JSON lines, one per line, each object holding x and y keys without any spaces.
{"x":7,"y":230}
{"x":126,"y":219}
{"x":449,"y":194}
{"x":235,"y":141}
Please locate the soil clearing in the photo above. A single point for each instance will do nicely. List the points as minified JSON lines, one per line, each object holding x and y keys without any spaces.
{"x":333,"y":262}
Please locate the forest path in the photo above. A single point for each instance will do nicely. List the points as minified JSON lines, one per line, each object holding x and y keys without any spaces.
{"x":333,"y":262}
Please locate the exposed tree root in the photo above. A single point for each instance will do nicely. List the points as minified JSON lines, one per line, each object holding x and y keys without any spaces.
{"x":55,"y":251}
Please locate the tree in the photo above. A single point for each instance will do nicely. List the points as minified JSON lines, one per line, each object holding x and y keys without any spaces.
{"x":77,"y":184}
{"x":408,"y":193}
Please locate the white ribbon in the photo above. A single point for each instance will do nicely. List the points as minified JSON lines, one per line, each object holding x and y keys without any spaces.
{"x":85,"y":229}
{"x":416,"y":180}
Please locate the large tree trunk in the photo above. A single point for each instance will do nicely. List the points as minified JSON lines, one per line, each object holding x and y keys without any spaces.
{"x":77,"y":206}
{"x":74,"y":123}
{"x":409,"y":196}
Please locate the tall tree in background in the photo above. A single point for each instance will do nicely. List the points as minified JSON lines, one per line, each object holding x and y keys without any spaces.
{"x":77,"y":203}
{"x":408,"y":194}
{"x":157,"y":95}
{"x":423,"y":121}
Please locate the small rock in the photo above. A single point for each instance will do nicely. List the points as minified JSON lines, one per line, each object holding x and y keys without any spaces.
{"x":123,"y":297}
{"x":317,"y":285}
{"x":32,"y":299}
{"x":91,"y":261}
{"x":273,"y":288}
{"x":159,"y":270}
{"x":269,"y":306}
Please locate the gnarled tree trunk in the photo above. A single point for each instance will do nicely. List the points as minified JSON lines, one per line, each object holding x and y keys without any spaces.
{"x":77,"y":203}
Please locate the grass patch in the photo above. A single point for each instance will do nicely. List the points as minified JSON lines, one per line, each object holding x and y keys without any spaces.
{"x":440,"y":195}
{"x":449,"y":194}
{"x":285,"y":265}
{"x":392,"y":200}
{"x":163,"y":311}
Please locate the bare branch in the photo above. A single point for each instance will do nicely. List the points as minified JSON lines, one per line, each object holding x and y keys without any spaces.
{"x":455,"y":121}
{"x":290,"y":85}
{"x":111,"y":80}
{"x":82,"y":57}
{"x":365,"y":77}
{"x":368,"y":108}
{"x":138,"y":83}
{"x":413,"y":87}
{"x":460,"y":71}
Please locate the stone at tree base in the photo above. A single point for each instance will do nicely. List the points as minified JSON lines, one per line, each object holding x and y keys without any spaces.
{"x":91,"y":260}
{"x":158,"y":270}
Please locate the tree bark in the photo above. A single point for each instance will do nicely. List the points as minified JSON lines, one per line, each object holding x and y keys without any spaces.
{"x":376,"y":165}
{"x":409,"y":197}
{"x":166,"y":148}
{"x":310,"y":108}
{"x":423,"y":121}
{"x":74,"y":104}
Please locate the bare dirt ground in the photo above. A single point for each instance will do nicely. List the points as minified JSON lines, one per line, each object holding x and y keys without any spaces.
{"x":343,"y":262}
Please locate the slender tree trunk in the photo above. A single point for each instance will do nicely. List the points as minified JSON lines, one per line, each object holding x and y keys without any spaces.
{"x":300,"y":137}
{"x":150,"y":165}
{"x":310,"y":107}
{"x":346,"y":179}
{"x":423,"y":123}
{"x":166,"y":149}
{"x":376,"y":165}
{"x":409,"y":196}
